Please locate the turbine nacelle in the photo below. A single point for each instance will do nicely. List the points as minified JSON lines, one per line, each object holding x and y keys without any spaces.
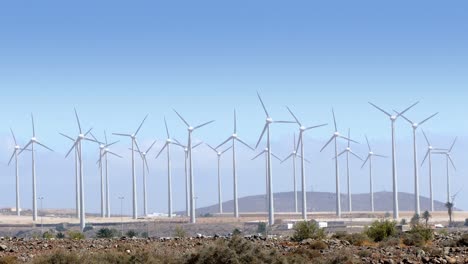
{"x":415,"y":125}
{"x":34,"y":139}
{"x":336,"y":134}
{"x":266,"y":149}
{"x":102,"y":146}
{"x":294,"y":152}
{"x":393,"y":117}
{"x":348,"y":149}
{"x":190,"y":128}
{"x":302,"y":128}
{"x":17,"y":147}
{"x":430,"y":148}
{"x":168,"y":141}
{"x":371,"y":153}
{"x":269,"y":120}
{"x":234,"y":135}
{"x":81,"y":136}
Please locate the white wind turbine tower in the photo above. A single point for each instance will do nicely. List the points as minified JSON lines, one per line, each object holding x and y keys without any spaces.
{"x":102,"y":148}
{"x":266,"y":128}
{"x":369,"y":158}
{"x":448,"y":158}
{"x":187,"y":180}
{"x":77,"y":146}
{"x":234,"y":137}
{"x":300,"y":142}
{"x":265,"y":151}
{"x":414,"y":125}
{"x":104,"y":154}
{"x":166,"y":146}
{"x":32,"y":142}
{"x":134,"y":144}
{"x":219,"y":154}
{"x":190,"y":130}
{"x":334,"y":137}
{"x":15,"y":155}
{"x":393,"y":118}
{"x":428,"y":156}
{"x":145,"y":165}
{"x":77,"y":179}
{"x":348,"y":151}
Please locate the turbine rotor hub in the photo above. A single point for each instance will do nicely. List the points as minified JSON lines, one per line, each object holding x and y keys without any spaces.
{"x":302,"y":128}
{"x":371,"y":153}
{"x":336,"y":134}
{"x":430,"y":147}
{"x":17,"y":147}
{"x":348,"y":149}
{"x":33,"y":139}
{"x":393,"y":117}
{"x":415,"y":125}
{"x":168,"y":140}
{"x":81,"y":136}
{"x":234,"y":135}
{"x":269,"y":120}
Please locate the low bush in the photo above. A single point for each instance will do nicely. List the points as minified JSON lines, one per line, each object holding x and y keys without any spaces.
{"x":236,"y":232}
{"x":364,"y":253}
{"x":307,"y":229}
{"x":60,"y":235}
{"x":426,"y":233}
{"x":380,"y":230}
{"x":180,"y":232}
{"x":318,"y":245}
{"x":340,"y":235}
{"x":131,"y":233}
{"x":356,"y":239}
{"x":8,"y":260}
{"x":390,"y":242}
{"x":47,"y":235}
{"x":261,"y":228}
{"x":106,"y":233}
{"x":413,"y":239}
{"x":76,"y":235}
{"x":463,"y":241}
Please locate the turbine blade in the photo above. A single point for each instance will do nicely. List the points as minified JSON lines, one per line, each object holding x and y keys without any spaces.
{"x":355,"y":155}
{"x":224,"y":151}
{"x":312,"y":127}
{"x":365,"y":161}
{"x":368,"y":145}
{"x":425,"y":156}
{"x":120,"y":134}
{"x":425,"y":137}
{"x":136,"y":145}
{"x":297,"y":120}
{"x":105,"y":136}
{"x":334,"y":119}
{"x":349,"y":136}
{"x":177,"y":141}
{"x":181,"y":118}
{"x":245,"y":144}
{"x":404,"y":117}
{"x":285,"y":122}
{"x":211,"y":147}
{"x":115,"y":142}
{"x":224,"y":142}
{"x":261,"y":135}
{"x":12,"y":155}
{"x":349,"y":139}
{"x":451,"y":161}
{"x":154,"y":142}
{"x":196,"y":145}
{"x":299,"y":141}
{"x":78,"y":121}
{"x":146,"y":164}
{"x":25,"y":147}
{"x":406,"y":110}
{"x":74,"y":145}
{"x":385,"y":112}
{"x":382,"y":156}
{"x":14,"y":138}
{"x":167,"y":129}
{"x":453,"y":144}
{"x":288,"y":157}
{"x":425,"y":120}
{"x":341,"y":153}
{"x":159,"y":153}
{"x":141,"y":124}
{"x":44,"y":146}
{"x":89,"y":131}
{"x":276,"y":157}
{"x":204,"y":124}
{"x":112,"y":153}
{"x":258,"y":155}
{"x":328,"y":142}
{"x":33,"y":128}
{"x":93,"y":136}
{"x":72,"y":139}
{"x":263,"y":105}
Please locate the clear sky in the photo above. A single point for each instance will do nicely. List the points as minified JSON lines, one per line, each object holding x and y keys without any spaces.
{"x":116,"y":61}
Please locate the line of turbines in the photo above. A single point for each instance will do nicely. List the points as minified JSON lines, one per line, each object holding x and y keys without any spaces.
{"x":297,"y":152}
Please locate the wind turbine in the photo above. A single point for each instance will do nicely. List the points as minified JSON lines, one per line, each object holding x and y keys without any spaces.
{"x":187,"y":189}
{"x":349,"y":151}
{"x":77,"y":178}
{"x":190,"y":130}
{"x":266,"y":128}
{"x":300,"y":142}
{"x":102,"y":148}
{"x":448,"y":158}
{"x":15,"y":155}
{"x":335,"y":136}
{"x":32,"y":142}
{"x":234,"y":137}
{"x":414,"y":125}
{"x":393,"y":118}
{"x":77,"y":146}
{"x":265,"y":151}
{"x":134,"y":144}
{"x":219,"y":154}
{"x":428,"y":156}
{"x":145,"y":165}
{"x":369,"y":158}
{"x":104,"y":154}
{"x":166,"y":146}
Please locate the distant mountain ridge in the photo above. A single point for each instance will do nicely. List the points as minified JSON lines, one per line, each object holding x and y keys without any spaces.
{"x":325,"y":202}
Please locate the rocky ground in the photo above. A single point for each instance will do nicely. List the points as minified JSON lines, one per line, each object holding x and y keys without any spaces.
{"x":443,"y":249}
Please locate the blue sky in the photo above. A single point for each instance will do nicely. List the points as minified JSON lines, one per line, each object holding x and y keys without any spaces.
{"x":116,"y":61}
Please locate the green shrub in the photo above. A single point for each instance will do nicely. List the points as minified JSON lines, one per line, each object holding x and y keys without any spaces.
{"x":58,"y":257}
{"x":106,"y":233}
{"x":413,"y":239}
{"x":307,"y":229}
{"x":318,"y":245}
{"x":426,"y":233}
{"x":340,"y":235}
{"x":380,"y":230}
{"x":261,"y":228}
{"x":356,"y":239}
{"x":403,"y":221}
{"x":131,"y":233}
{"x":415,"y":219}
{"x":47,"y":235}
{"x":179,"y":232}
{"x":144,"y":235}
{"x":8,"y":260}
{"x":463,"y":241}
{"x":390,"y":242}
{"x":236,"y":232}
{"x":60,"y":235}
{"x":76,"y":235}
